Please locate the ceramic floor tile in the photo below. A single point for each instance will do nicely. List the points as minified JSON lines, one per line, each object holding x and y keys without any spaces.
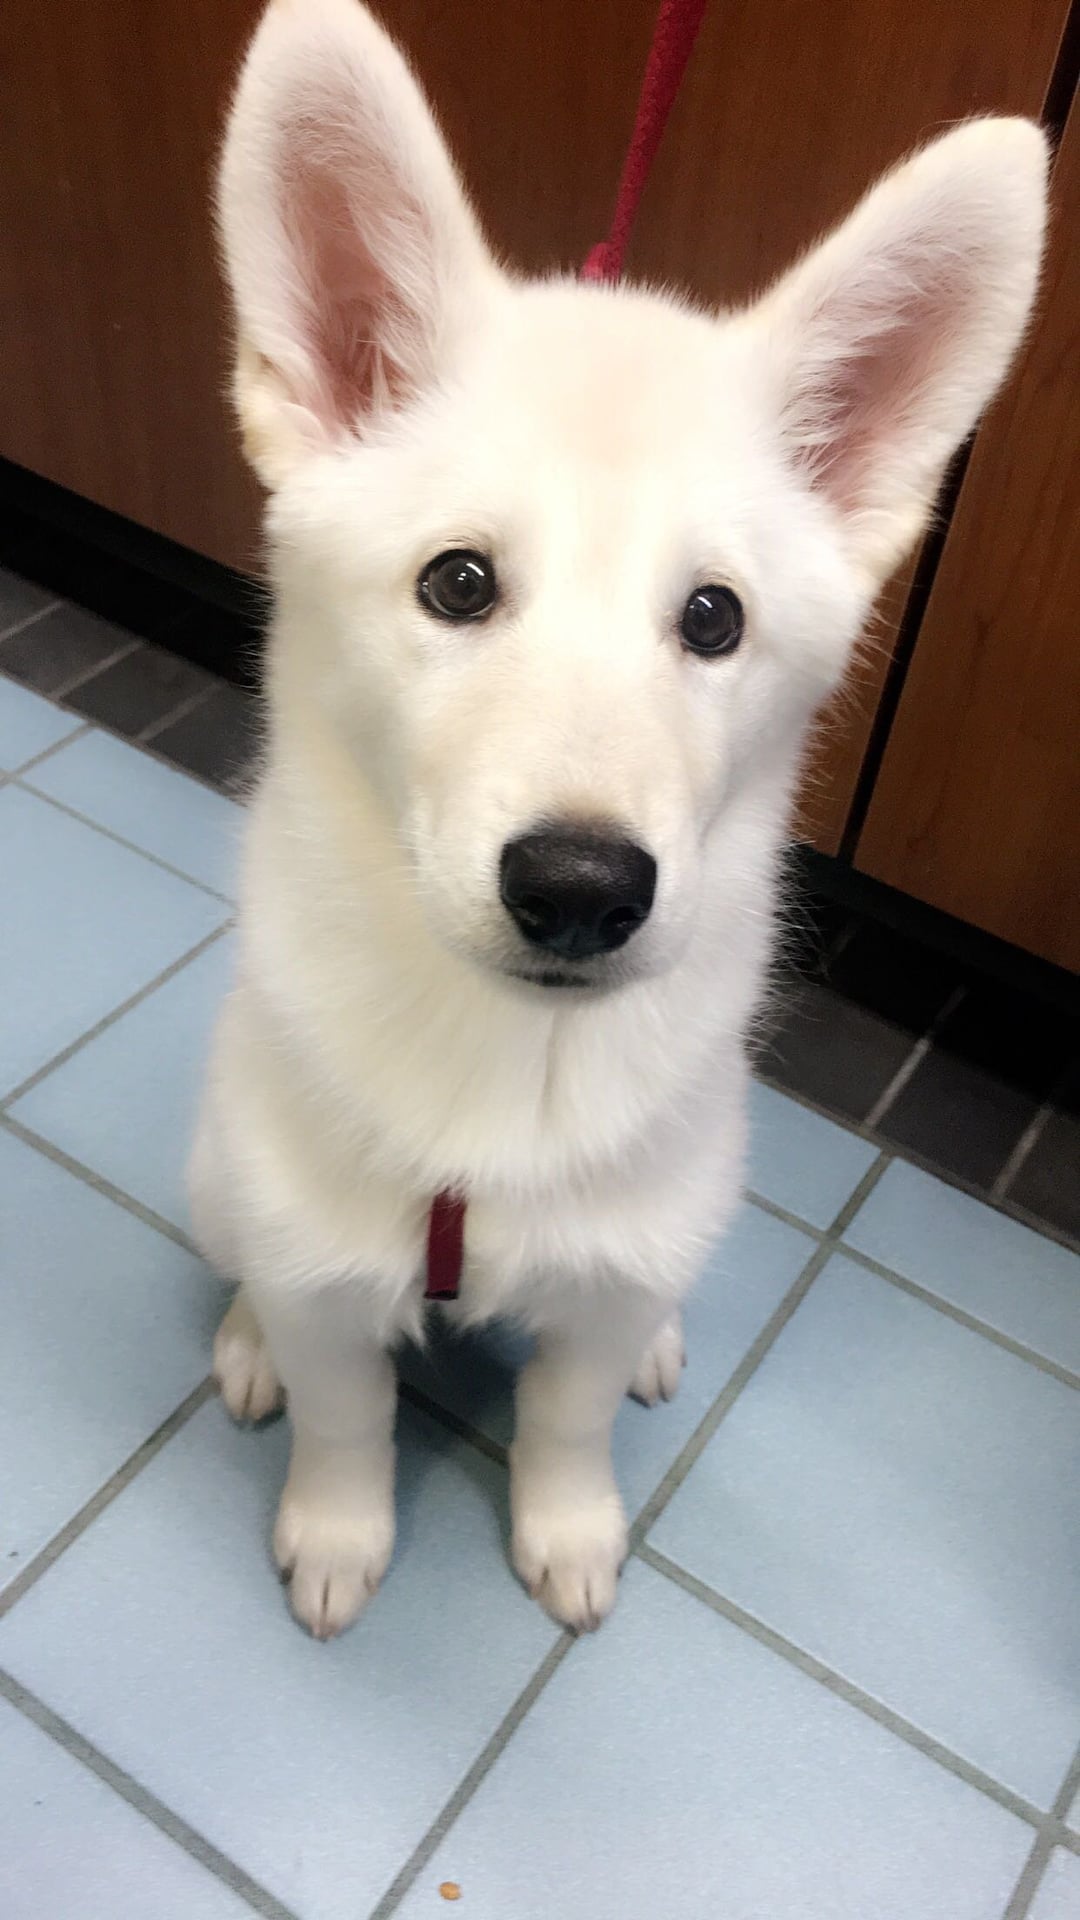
{"x":217,"y":740}
{"x":800,"y":1160}
{"x":959,"y":1117}
{"x":163,"y":1636}
{"x":104,"y":1327}
{"x":125,"y":1104}
{"x":744,"y":1282}
{"x":61,"y":648}
{"x":20,"y":600}
{"x":893,"y":1493}
{"x":1008,"y":1275}
{"x":673,"y":1767}
{"x":1048,"y":1183}
{"x":1058,"y":1897}
{"x":140,"y":691}
{"x":71,"y":1849}
{"x":86,"y":924}
{"x":28,"y":725}
{"x":151,"y":805}
{"x":838,"y":1054}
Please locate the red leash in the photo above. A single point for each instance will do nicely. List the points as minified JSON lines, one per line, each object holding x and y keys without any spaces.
{"x":673,"y":39}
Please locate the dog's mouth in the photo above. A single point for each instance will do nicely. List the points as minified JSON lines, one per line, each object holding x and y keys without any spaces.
{"x":557,"y":978}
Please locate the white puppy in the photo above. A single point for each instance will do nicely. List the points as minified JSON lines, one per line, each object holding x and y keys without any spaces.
{"x":561,"y":573}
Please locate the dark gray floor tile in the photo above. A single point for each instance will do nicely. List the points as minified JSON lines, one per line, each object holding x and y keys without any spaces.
{"x":140,"y":690}
{"x":959,"y":1116}
{"x":19,"y":599}
{"x":835,"y":1053}
{"x":60,"y":647}
{"x":217,"y":740}
{"x":893,"y":976}
{"x":1048,"y":1183}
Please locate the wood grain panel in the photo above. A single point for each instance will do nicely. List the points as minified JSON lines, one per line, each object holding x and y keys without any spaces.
{"x":977,"y":807}
{"x":110,"y":330}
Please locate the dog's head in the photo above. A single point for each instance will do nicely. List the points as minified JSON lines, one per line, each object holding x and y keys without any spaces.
{"x":573,"y":565}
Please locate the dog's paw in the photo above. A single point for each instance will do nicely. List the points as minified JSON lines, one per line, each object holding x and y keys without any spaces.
{"x":569,"y":1558}
{"x":243,"y":1369}
{"x":332,"y":1560}
{"x":660,"y":1371}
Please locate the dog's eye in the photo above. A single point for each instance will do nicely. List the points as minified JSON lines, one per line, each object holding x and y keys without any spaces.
{"x":458,"y":585}
{"x":712,"y":622}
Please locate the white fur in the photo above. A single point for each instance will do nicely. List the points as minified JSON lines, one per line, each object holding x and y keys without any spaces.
{"x":611,"y":450}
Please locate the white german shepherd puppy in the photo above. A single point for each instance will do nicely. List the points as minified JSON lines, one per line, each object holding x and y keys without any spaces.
{"x":561,"y":573}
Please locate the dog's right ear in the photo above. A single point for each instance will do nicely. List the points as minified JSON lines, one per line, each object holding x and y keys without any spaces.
{"x":353,"y":255}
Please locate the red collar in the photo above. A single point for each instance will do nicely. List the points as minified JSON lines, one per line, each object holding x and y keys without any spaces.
{"x":445,"y":1247}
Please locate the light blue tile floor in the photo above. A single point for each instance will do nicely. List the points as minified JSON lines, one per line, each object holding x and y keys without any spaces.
{"x":843,"y":1678}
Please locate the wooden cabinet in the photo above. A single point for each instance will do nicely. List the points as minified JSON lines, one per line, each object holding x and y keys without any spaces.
{"x":976,"y":808}
{"x":113,"y":331}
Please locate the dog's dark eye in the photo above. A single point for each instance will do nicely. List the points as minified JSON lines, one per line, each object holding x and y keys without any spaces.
{"x":458,"y":585}
{"x":712,"y":622}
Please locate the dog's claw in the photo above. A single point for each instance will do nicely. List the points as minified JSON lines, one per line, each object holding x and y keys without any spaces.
{"x":660,"y":1371}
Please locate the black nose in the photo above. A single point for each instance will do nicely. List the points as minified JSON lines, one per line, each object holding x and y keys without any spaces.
{"x":575,"y":891}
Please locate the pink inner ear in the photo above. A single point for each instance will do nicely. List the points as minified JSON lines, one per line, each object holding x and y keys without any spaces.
{"x":868,"y":398}
{"x":354,"y":238}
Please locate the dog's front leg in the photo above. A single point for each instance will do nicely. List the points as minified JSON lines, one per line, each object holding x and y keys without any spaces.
{"x":335,"y":1525}
{"x":569,"y":1529}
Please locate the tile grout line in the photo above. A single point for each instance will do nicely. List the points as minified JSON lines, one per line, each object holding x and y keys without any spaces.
{"x":1030,"y":1137}
{"x":36,"y":759}
{"x":1067,"y":1791}
{"x":20,"y":626}
{"x":785,"y":1214}
{"x":59,"y":694}
{"x":98,"y":1183}
{"x":109,"y":1490}
{"x":1006,"y":1209}
{"x":755,"y":1354}
{"x":950,"y":1311}
{"x":473,"y":1779}
{"x":910,"y":1066}
{"x":453,"y":1423}
{"x":147,"y":734}
{"x":1052,"y":1833}
{"x":1026,"y":1144}
{"x":846,"y":1690}
{"x":108,"y":1020}
{"x":1031,"y":1875}
{"x":132,"y":846}
{"x":739,"y":1378}
{"x":142,"y":1801}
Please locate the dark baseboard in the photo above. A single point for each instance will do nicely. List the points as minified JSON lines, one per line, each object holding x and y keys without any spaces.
{"x":818,"y":876}
{"x":125,"y":573}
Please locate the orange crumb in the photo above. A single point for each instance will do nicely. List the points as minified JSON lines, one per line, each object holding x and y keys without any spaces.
{"x":450,"y":1890}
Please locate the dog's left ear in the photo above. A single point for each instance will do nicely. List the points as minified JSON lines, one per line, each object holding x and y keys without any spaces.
{"x":885,"y":344}
{"x":354,"y":258}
